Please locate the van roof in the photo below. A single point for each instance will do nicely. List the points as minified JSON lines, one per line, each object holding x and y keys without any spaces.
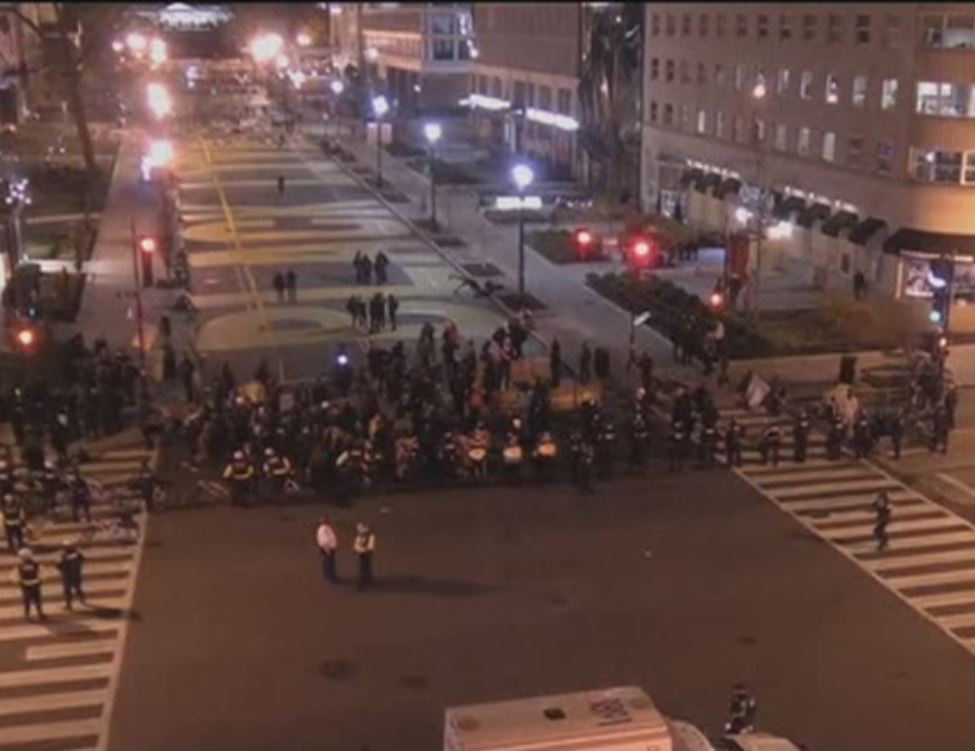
{"x":589,"y":714}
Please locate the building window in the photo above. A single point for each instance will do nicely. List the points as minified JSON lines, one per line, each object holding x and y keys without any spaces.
{"x":655,"y":24}
{"x":702,"y":74}
{"x":862,"y":29}
{"x":685,"y":25}
{"x":809,"y":22}
{"x":703,"y":24}
{"x":781,"y":136}
{"x":669,"y":71}
{"x":859,"y":95}
{"x":892,"y":34}
{"x":945,"y":99}
{"x":518,"y":96}
{"x":829,"y":146}
{"x":685,"y":117}
{"x":785,"y":27}
{"x":654,"y":68}
{"x":738,"y":129}
{"x":948,"y":32}
{"x":782,"y":87}
{"x":653,"y":111}
{"x":758,"y":131}
{"x":739,"y":77}
{"x":937,"y":166}
{"x":885,"y":157}
{"x":498,"y":88}
{"x":702,"y":121}
{"x":669,"y":25}
{"x":762,"y":26}
{"x":720,"y":79}
{"x":668,"y":114}
{"x":741,"y":25}
{"x":854,"y":152}
{"x":685,"y":72}
{"x":545,"y":98}
{"x":720,"y":125}
{"x":802,"y":144}
{"x":530,"y":95}
{"x":805,"y":84}
{"x":832,"y":88}
{"x":443,"y":49}
{"x":565,"y":101}
{"x":834,"y":28}
{"x":720,"y":22}
{"x":888,"y":94}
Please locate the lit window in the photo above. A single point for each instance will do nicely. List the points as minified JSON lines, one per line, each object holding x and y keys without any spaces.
{"x":948,"y":32}
{"x":781,"y":135}
{"x":782,"y":87}
{"x":885,"y":157}
{"x":685,"y":117}
{"x":888,"y":94}
{"x":802,"y":143}
{"x":834,"y":28}
{"x":741,"y":25}
{"x":702,"y":121}
{"x":832,"y":88}
{"x":809,"y":23}
{"x":829,"y":146}
{"x":859,"y":95}
{"x":945,"y":99}
{"x":805,"y":84}
{"x":862,"y":29}
{"x":785,"y":27}
{"x":854,"y":152}
{"x":759,"y":130}
{"x":763,"y":26}
{"x":937,"y":166}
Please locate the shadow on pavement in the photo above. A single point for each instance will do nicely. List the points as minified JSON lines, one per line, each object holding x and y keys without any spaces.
{"x":424,"y":586}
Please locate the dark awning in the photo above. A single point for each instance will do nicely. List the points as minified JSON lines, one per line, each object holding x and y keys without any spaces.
{"x":866,"y":229}
{"x":840,"y":221}
{"x":788,"y":206}
{"x":710,"y":180}
{"x":810,"y":214}
{"x":730,"y":185}
{"x":690,"y":175}
{"x":935,"y":243}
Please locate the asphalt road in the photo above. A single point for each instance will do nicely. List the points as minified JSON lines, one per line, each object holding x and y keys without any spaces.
{"x":682,"y":585}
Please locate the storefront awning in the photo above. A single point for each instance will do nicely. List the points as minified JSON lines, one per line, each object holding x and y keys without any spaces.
{"x":818,"y":211}
{"x":789,"y":206}
{"x":729,"y":186}
{"x":866,"y":229}
{"x":710,"y":181}
{"x":841,"y":220}
{"x":935,"y":243}
{"x":690,"y":176}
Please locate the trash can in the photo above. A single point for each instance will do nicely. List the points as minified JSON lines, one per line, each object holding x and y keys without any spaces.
{"x":848,"y":369}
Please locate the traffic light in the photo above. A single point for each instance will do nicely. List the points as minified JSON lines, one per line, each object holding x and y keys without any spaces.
{"x":147,"y":249}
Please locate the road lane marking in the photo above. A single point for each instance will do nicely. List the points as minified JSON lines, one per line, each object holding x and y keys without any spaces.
{"x":49,"y":731}
{"x":70,"y":649}
{"x":42,"y":702}
{"x":958,"y":484}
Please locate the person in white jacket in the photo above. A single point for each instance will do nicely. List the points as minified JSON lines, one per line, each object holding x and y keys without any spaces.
{"x":327,"y":545}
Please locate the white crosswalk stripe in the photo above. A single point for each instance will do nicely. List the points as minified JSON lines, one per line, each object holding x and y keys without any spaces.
{"x":71,"y":660}
{"x":930,"y":560}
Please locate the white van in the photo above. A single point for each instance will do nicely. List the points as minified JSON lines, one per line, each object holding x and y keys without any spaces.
{"x":612,"y":719}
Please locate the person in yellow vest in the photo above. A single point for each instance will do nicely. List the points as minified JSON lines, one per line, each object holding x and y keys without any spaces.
{"x":364,"y":546}
{"x":276,"y":468}
{"x":28,"y":575}
{"x":239,"y":473}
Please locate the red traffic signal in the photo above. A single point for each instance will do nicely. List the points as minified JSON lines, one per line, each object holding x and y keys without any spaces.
{"x":148,"y":244}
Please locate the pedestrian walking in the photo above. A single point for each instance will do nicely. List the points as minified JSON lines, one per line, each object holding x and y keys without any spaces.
{"x":365,"y":547}
{"x":381,"y":264}
{"x":278,"y":283}
{"x":280,"y":185}
{"x":732,"y":442}
{"x":291,"y":285}
{"x":377,"y":313}
{"x":28,"y":575}
{"x":881,"y":507}
{"x":352,"y":308}
{"x":14,"y":521}
{"x":69,"y":566}
{"x":771,"y":441}
{"x":585,"y":364}
{"x":392,"y":305}
{"x":327,"y":546}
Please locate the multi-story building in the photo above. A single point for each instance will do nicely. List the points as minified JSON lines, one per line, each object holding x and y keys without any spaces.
{"x":858,"y":119}
{"x":528,"y":61}
{"x":421,"y":52}
{"x":20,"y":60}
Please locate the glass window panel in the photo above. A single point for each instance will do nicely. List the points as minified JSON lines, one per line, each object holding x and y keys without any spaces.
{"x":802,"y":144}
{"x":859,"y":93}
{"x":829,"y":146}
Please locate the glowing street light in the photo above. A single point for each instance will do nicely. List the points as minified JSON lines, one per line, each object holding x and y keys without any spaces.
{"x":160,"y":102}
{"x":433,"y":132}
{"x":523,"y":176}
{"x":266,"y":47}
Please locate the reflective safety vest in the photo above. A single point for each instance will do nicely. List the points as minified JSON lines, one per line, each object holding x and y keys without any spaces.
{"x":13,"y":516}
{"x":238,"y":471}
{"x":278,"y":467}
{"x":29,"y":574}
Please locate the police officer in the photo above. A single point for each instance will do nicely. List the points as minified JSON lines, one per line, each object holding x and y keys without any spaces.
{"x":239,"y":473}
{"x":639,"y":440}
{"x":771,"y":441}
{"x":365,"y":547}
{"x":27,"y":575}
{"x":675,"y":449}
{"x":834,"y":438}
{"x":69,"y":566}
{"x":881,"y":507}
{"x":709,"y":444}
{"x":800,"y":436}
{"x":733,"y":437}
{"x":14,"y":520}
{"x":276,"y":468}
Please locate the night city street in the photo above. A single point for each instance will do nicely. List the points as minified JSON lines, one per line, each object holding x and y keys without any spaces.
{"x":487,"y":377}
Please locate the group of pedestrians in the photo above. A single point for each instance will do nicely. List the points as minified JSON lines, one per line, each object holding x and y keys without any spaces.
{"x":363,"y":546}
{"x":373,"y":316}
{"x":29,"y":576}
{"x":286,"y":285}
{"x":365,"y":267}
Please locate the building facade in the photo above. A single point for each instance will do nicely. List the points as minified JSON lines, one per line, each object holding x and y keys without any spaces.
{"x":528,"y":57}
{"x":854,"y":123}
{"x":420,"y":52}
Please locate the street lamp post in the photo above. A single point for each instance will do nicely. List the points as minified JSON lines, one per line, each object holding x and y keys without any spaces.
{"x":523,"y":175}
{"x":758,"y":95}
{"x":379,"y":108}
{"x":433,"y":132}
